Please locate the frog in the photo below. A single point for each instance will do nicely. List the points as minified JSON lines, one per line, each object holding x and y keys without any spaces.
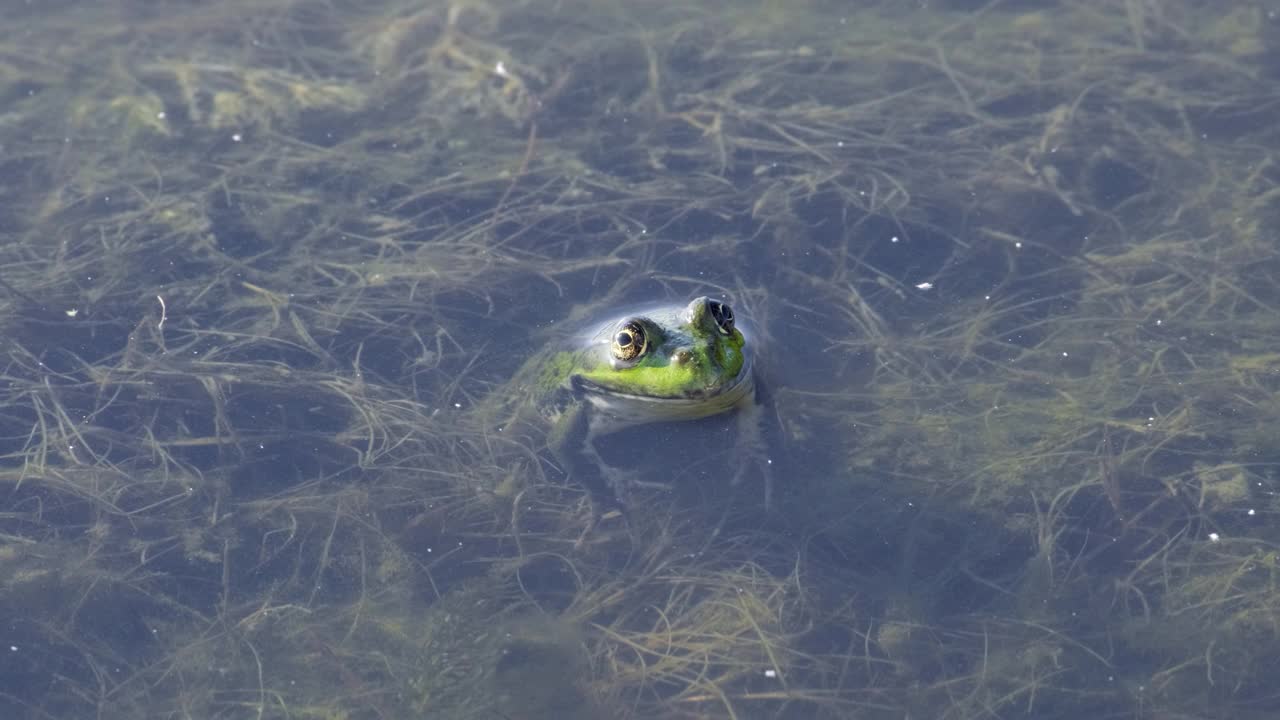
{"x":663,"y":364}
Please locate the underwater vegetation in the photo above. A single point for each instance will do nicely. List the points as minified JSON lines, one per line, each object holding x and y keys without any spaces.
{"x":1013,"y":268}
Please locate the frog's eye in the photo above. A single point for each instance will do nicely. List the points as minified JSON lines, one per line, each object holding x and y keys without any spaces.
{"x":723,"y":315}
{"x":630,"y":341}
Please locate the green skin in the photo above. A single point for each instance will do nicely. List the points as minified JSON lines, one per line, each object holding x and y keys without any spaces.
{"x":695,"y":363}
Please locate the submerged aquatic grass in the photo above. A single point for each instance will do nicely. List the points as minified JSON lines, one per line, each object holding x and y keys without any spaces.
{"x":259,"y":264}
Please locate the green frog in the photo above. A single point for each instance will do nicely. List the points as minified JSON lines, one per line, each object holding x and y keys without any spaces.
{"x":662,"y":364}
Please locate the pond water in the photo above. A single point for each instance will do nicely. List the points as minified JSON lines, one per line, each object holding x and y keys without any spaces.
{"x":269,"y":270}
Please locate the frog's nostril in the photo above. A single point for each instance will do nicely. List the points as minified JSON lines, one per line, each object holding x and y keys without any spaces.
{"x":682,"y":356}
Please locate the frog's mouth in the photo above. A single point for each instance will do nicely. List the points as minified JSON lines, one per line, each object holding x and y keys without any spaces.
{"x":696,"y":403}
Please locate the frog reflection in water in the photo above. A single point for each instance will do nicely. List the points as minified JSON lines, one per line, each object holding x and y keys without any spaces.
{"x":665,"y":364}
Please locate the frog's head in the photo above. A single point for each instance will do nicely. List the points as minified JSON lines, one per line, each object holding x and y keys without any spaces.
{"x":691,"y":352}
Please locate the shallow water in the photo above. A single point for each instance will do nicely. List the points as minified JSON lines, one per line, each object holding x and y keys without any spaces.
{"x":265,"y":268}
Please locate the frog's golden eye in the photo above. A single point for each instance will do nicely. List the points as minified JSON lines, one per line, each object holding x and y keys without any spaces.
{"x":723,"y":315}
{"x":630,"y":342}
